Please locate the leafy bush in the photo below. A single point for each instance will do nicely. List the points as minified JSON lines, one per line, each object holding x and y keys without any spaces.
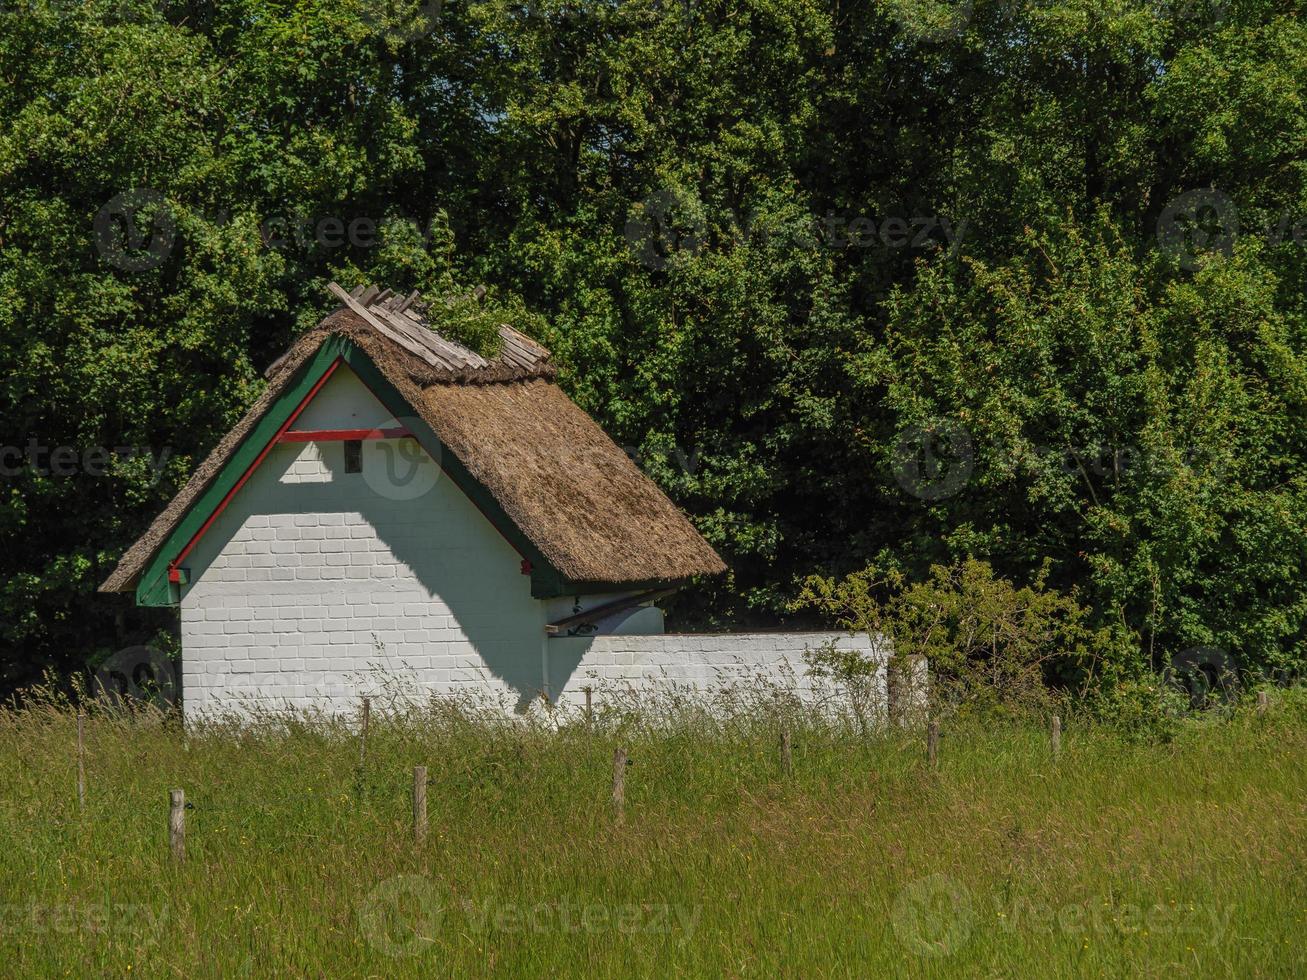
{"x":1142,"y":709}
{"x":990,"y":645}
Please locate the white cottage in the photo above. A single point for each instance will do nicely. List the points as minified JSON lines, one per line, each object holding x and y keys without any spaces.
{"x":395,"y":499}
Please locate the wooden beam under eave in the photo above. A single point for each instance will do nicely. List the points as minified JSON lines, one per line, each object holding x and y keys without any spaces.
{"x":599,"y":612}
{"x":345,"y":435}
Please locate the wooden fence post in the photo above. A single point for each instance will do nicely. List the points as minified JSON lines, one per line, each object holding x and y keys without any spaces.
{"x":1263,"y":702}
{"x":420,"y":803}
{"x":81,"y":764}
{"x":363,"y":735}
{"x":787,"y":754}
{"x":906,"y":692}
{"x":177,"y":824}
{"x":932,"y":742}
{"x":619,"y":783}
{"x":894,"y":684}
{"x":1055,"y":736}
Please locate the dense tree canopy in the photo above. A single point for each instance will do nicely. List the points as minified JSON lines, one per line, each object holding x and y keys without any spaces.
{"x":895,"y":281}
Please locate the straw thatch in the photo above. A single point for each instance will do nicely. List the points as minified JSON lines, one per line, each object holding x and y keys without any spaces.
{"x":569,"y":489}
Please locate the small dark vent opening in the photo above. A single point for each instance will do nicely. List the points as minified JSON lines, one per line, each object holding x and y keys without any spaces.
{"x":353,"y":456}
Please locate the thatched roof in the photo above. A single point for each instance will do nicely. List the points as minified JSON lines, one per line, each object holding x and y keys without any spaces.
{"x":574,"y":494}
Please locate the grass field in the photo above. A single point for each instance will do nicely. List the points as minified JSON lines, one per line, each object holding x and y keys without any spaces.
{"x":1118,"y":858}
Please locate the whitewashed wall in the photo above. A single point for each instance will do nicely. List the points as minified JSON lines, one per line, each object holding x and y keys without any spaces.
{"x":629,"y":667}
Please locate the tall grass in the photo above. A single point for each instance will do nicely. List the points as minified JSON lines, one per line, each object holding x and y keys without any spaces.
{"x":1119,"y":857}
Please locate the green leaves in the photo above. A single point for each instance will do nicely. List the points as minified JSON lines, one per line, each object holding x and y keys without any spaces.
{"x":1123,"y":427}
{"x":990,"y":644}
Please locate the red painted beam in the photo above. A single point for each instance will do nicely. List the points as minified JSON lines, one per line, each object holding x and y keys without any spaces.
{"x":344,"y":435}
{"x":249,"y":471}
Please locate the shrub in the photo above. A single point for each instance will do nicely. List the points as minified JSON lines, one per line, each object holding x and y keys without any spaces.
{"x":1141,"y":709}
{"x":991,"y":646}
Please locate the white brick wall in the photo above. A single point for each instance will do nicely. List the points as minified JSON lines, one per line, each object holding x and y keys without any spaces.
{"x":626,"y":667}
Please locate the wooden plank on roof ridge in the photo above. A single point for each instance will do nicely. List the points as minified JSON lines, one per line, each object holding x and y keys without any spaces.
{"x":423,"y":336}
{"x":416,"y":322}
{"x":357,"y":291}
{"x":457,"y":354}
{"x":514,"y":351}
{"x":381,"y":297}
{"x":467,"y":353}
{"x":510,"y":332}
{"x":368,"y":295}
{"x":415,"y":336}
{"x":414,"y":330}
{"x":519,"y":348}
{"x":390,"y":332}
{"x":512,"y":355}
{"x":463,"y":356}
{"x":435,"y":349}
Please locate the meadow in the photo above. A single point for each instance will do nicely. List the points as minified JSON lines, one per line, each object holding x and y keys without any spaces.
{"x":1116,"y":857}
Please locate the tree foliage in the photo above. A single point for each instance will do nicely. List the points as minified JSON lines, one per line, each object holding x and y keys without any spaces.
{"x":775,"y":244}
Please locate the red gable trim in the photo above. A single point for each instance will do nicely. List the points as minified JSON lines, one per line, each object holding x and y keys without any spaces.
{"x":173,"y":575}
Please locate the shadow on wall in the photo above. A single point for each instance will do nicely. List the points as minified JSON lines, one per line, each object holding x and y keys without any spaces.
{"x":446,"y":557}
{"x":564,"y":657}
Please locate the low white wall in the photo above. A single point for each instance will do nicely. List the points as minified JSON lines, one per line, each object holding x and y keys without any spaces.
{"x":701,"y":663}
